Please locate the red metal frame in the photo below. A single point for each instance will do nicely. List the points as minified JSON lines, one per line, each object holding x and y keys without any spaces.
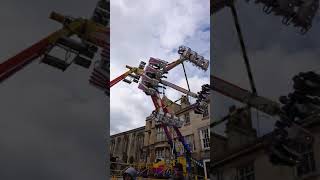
{"x":19,"y":61}
{"x":119,"y":78}
{"x":159,"y":105}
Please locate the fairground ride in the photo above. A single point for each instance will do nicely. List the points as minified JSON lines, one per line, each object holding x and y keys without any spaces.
{"x":151,"y":79}
{"x":79,"y":38}
{"x":298,"y":108}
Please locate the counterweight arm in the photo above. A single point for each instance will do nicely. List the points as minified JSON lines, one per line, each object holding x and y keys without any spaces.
{"x":94,"y":33}
{"x":19,"y":61}
{"x":119,"y":78}
{"x":258,"y":102}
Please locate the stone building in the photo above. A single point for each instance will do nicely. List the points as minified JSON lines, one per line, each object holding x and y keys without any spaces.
{"x":155,"y":145}
{"x":241,"y":155}
{"x":127,"y":146}
{"x":195,"y":130}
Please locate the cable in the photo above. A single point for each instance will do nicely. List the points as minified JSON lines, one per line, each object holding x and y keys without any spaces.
{"x":243,"y":48}
{"x":225,"y":118}
{"x":172,"y":102}
{"x":258,"y":123}
{"x":185,"y":75}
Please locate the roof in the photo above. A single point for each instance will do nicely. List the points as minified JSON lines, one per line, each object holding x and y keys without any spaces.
{"x":219,"y":136}
{"x":241,"y":151}
{"x":258,"y":144}
{"x":128,"y":132}
{"x":169,"y":102}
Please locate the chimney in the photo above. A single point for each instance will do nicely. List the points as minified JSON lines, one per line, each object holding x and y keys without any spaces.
{"x":239,"y":128}
{"x":184,"y":101}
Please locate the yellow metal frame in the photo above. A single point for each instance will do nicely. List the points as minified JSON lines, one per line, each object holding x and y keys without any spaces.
{"x":84,"y":28}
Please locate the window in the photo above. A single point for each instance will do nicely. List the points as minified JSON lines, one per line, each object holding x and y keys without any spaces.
{"x":205,"y":138}
{"x":160,"y":153}
{"x":206,"y":113}
{"x":149,"y":125}
{"x":126,"y":144}
{"x":246,"y":172}
{"x":161,"y":136}
{"x":112,"y":146}
{"x":140,"y":141}
{"x":187,"y":118}
{"x":189,"y":140}
{"x":308,"y":163}
{"x":206,"y":163}
{"x":217,"y":175}
{"x":118,"y":144}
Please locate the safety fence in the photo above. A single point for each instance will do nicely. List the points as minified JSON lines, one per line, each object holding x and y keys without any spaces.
{"x":145,"y":170}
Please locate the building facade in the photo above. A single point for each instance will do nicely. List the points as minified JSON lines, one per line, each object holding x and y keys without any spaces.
{"x":127,"y":146}
{"x":241,"y":155}
{"x":152,"y":142}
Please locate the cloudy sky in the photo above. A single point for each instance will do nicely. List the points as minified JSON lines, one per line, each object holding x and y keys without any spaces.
{"x":276,"y":53}
{"x":52,"y":123}
{"x":141,"y":29}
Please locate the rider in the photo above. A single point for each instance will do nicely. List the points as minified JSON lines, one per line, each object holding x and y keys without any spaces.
{"x":130,"y":174}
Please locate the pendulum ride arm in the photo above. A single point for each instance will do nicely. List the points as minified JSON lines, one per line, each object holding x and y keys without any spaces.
{"x":286,"y":130}
{"x":94,"y":33}
{"x":166,"y":83}
{"x":17,"y":62}
{"x":156,"y":103}
{"x":160,"y":104}
{"x":186,"y":147}
{"x":99,"y":77}
{"x":173,"y":64}
{"x":132,"y":70}
{"x":186,"y":109}
{"x":199,"y":61}
{"x":170,"y":141}
{"x":244,"y":96}
{"x":300,"y":14}
{"x":119,"y":78}
{"x":149,"y":85}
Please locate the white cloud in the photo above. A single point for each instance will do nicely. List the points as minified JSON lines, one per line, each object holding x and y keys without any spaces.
{"x":142,"y":29}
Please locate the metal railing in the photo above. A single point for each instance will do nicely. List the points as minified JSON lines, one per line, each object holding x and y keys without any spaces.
{"x":147,"y":170}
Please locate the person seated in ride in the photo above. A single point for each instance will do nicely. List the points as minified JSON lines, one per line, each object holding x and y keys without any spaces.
{"x":130,"y":174}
